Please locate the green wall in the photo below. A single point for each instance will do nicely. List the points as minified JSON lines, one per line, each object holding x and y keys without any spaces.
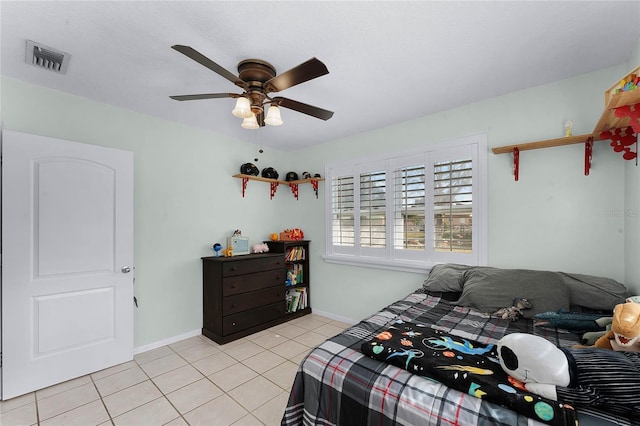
{"x":553,"y":218}
{"x":185,"y":198}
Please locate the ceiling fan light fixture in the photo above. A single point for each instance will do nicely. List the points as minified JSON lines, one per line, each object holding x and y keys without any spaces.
{"x":242,"y":108}
{"x":250,"y":123}
{"x":273,"y":116}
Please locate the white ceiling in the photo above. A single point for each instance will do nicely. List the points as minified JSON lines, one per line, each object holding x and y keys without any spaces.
{"x":388,"y":61}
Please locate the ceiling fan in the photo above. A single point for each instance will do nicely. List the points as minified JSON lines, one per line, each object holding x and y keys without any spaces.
{"x":257,"y":79}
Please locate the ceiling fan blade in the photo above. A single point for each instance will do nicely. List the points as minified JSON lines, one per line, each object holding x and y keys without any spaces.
{"x":203,"y":96}
{"x":306,"y":71}
{"x":203,"y":60}
{"x":320,"y":113}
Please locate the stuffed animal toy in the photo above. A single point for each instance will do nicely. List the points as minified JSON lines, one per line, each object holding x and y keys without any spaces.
{"x":514,"y":312}
{"x":228,"y":252}
{"x":260,"y":248}
{"x":624,"y":334}
{"x":580,"y":377}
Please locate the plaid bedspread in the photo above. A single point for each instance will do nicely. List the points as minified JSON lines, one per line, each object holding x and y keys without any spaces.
{"x":337,"y":384}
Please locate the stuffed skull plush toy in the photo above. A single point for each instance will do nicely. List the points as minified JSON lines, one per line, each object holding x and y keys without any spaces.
{"x":581,"y":377}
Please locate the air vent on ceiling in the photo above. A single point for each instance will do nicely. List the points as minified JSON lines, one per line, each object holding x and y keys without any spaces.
{"x":46,"y":57}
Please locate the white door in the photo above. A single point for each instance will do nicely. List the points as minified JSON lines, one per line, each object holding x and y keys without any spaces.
{"x":67,"y":260}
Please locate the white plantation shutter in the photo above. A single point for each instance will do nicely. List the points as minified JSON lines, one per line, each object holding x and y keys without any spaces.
{"x":343,"y":207}
{"x":373,"y":224}
{"x":409,"y":212}
{"x":453,"y":205}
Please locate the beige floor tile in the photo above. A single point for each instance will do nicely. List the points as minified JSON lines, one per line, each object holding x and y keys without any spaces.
{"x":113,"y":370}
{"x":62,"y":387}
{"x":177,"y":422}
{"x":157,"y":412}
{"x":68,"y":400}
{"x":244,"y":350}
{"x":311,"y":339}
{"x":299,"y":358}
{"x":232,"y":377}
{"x":199,"y":351}
{"x":308,"y":323}
{"x":123,"y":379}
{"x":16,"y":402}
{"x":271,"y":412}
{"x":248,"y":420}
{"x":186,"y":343}
{"x":92,"y":413}
{"x":342,"y":325}
{"x":163,"y":365}
{"x":223,"y":409}
{"x":120,"y":402}
{"x":153,"y":354}
{"x":214,"y":363}
{"x":269,"y":340}
{"x":175,"y":379}
{"x":18,"y":416}
{"x":254,"y":393}
{"x":263,"y":361}
{"x":283,"y":374}
{"x":291,"y":331}
{"x":328,"y":330}
{"x":290,"y":349}
{"x":318,"y":318}
{"x":194,"y":395}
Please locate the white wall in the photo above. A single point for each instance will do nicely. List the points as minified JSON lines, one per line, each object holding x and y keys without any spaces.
{"x":554,"y":218}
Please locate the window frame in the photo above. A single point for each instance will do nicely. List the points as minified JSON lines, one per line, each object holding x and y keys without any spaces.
{"x":419,"y":261}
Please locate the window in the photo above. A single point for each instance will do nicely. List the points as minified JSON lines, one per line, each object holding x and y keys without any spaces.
{"x":409,"y":210}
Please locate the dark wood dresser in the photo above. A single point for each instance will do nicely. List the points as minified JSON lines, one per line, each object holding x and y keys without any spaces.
{"x":242,"y":295}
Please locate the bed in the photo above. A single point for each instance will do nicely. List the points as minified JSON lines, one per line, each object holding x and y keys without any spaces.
{"x":337,"y":384}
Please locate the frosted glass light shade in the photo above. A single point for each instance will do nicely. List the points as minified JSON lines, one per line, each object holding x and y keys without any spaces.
{"x":273,"y":116}
{"x":242,"y":108}
{"x":250,"y":122}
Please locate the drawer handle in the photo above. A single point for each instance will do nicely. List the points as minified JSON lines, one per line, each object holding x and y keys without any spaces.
{"x":233,"y":305}
{"x":233,"y":323}
{"x":233,"y":268}
{"x":233,"y":286}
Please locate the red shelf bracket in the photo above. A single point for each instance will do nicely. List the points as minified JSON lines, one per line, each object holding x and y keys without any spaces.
{"x":294,"y":189}
{"x":516,"y":163}
{"x":631,"y":111}
{"x":621,"y":141}
{"x":274,"y":188}
{"x":244,"y":185}
{"x":314,"y":184}
{"x":588,"y":155}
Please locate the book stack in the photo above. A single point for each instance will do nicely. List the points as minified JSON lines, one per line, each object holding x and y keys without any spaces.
{"x":296,"y":299}
{"x":295,"y":274}
{"x":295,"y":253}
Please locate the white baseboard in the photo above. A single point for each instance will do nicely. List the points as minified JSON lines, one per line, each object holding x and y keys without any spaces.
{"x":334,"y":316}
{"x":166,"y":342}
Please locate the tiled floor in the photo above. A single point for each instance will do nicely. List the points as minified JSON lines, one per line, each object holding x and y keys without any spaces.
{"x":194,"y":381}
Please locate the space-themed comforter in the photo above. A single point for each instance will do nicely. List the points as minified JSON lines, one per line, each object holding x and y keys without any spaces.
{"x":461,"y":364}
{"x":337,"y":384}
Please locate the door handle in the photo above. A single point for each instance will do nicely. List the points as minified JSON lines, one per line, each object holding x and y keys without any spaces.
{"x":125,"y":269}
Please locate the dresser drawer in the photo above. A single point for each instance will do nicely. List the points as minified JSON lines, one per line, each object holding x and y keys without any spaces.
{"x":251,"y":282}
{"x":243,"y":320}
{"x":248,"y":266}
{"x":246,"y":301}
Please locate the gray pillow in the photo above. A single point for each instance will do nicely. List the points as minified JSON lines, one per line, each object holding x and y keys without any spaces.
{"x":489,"y":289}
{"x":594,"y":292}
{"x":445,"y":277}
